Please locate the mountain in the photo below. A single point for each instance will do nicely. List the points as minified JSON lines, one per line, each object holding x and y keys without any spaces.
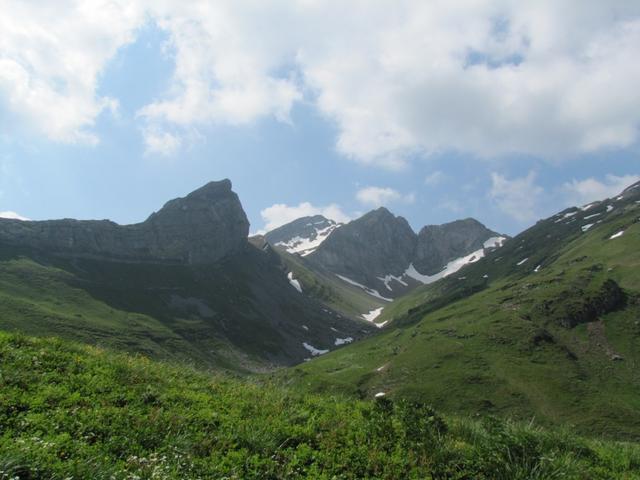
{"x":205,"y":226}
{"x":302,"y":236}
{"x":439,"y":244}
{"x":382,"y":255}
{"x":184,"y":284}
{"x":546,"y":326}
{"x":375,"y":245}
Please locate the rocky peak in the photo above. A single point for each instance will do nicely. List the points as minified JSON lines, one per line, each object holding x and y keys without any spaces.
{"x":304,"y":235}
{"x":439,"y":244}
{"x":376,"y":244}
{"x":203,"y":227}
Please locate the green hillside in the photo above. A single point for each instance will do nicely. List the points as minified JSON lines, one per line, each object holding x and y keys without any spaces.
{"x":545,"y":327}
{"x":73,"y":411}
{"x":239,"y":314}
{"x":325,"y":287}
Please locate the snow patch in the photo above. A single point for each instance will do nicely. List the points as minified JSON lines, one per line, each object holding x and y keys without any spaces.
{"x":13,"y":216}
{"x":294,"y":283}
{"x":373,"y":314}
{"x":494,"y":242}
{"x":452,"y":267}
{"x":306,"y":246}
{"x":313,"y":350}
{"x":343,"y":341}
{"x":584,"y":228}
{"x":387,"y":280}
{"x":616,"y":235}
{"x":537,"y":269}
{"x":591,"y":216}
{"x":305,"y":327}
{"x":609,"y":208}
{"x":370,"y":291}
{"x":379,"y":394}
{"x":566,"y":215}
{"x":521,"y":262}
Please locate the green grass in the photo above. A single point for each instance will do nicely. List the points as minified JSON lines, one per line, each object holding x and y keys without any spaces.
{"x":240,"y":314}
{"x":75,"y":411}
{"x":328,"y":289}
{"x":501,"y":345}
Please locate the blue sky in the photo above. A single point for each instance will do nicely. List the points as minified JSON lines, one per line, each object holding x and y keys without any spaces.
{"x":490,"y":111}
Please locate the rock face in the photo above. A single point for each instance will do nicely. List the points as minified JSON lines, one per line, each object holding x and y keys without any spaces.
{"x":372,"y":246}
{"x":304,"y":235}
{"x":439,"y":244}
{"x":382,"y":254}
{"x":203,"y":227}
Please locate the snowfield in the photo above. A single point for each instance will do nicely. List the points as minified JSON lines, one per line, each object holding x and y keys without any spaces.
{"x":306,"y":246}
{"x":373,"y":314}
{"x":452,"y":267}
{"x":370,"y":291}
{"x":294,"y":283}
{"x":313,"y":350}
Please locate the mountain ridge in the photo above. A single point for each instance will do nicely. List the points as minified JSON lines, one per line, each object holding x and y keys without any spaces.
{"x":203,"y":227}
{"x":187,"y":276}
{"x":382,"y":254}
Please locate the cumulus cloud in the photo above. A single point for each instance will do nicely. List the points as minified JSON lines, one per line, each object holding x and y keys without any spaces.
{"x":517,"y":197}
{"x":160,"y":142}
{"x":490,"y":78}
{"x":279,"y":214}
{"x":579,"y":192}
{"x":51,"y":56}
{"x":379,"y":196}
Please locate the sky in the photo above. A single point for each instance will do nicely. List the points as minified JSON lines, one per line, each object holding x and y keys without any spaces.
{"x":505,"y":111}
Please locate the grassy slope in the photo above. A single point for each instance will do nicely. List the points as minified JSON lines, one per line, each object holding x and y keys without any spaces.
{"x":330,"y":290}
{"x":231,"y":315}
{"x":71,"y":411}
{"x":502,"y":349}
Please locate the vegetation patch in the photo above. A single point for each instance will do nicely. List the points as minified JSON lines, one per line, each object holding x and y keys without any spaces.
{"x":76,"y":412}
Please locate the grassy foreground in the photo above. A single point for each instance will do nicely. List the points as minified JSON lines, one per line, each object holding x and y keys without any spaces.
{"x":71,"y":411}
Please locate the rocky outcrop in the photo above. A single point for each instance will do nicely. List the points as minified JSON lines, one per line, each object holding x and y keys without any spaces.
{"x":203,"y":227}
{"x":380,"y":253}
{"x":372,"y":246}
{"x":588,"y":307}
{"x":439,"y":244}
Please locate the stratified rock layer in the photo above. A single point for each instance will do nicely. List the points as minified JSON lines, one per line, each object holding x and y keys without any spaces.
{"x":203,"y":227}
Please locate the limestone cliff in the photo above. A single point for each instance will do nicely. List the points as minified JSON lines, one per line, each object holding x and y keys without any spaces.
{"x":203,"y":227}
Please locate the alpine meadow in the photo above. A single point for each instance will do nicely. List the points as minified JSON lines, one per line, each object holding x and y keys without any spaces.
{"x":319,"y":240}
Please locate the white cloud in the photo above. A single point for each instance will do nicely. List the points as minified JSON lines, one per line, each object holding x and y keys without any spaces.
{"x":160,"y":142}
{"x":51,"y":56}
{"x":435,"y":178}
{"x":518,"y":197}
{"x":487,"y":77}
{"x":12,"y":216}
{"x":378,"y":196}
{"x":279,"y":214}
{"x":580,"y":192}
